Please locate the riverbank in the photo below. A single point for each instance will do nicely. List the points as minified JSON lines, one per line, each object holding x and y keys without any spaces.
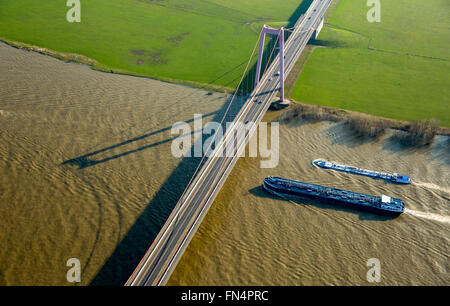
{"x":326,"y":113}
{"x":95,"y":65}
{"x":311,"y":111}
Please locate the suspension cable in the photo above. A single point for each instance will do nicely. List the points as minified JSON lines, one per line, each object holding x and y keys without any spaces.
{"x":221,"y":122}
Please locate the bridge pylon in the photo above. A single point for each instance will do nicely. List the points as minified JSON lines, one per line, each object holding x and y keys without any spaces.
{"x":281,"y":73}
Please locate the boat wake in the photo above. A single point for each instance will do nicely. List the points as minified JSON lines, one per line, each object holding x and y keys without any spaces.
{"x":431,"y":186}
{"x":428,"y":216}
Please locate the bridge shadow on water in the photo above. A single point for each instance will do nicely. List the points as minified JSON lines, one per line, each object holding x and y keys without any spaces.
{"x":322,"y":205}
{"x":87,"y":160}
{"x":128,"y":253}
{"x":138,"y":239}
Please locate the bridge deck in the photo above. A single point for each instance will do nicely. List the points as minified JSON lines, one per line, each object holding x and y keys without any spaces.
{"x":161,"y":258}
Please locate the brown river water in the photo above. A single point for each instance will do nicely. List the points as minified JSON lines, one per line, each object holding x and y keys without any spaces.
{"x":86,"y":172}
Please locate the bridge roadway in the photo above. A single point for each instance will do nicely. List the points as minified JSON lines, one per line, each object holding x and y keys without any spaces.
{"x":166,"y":250}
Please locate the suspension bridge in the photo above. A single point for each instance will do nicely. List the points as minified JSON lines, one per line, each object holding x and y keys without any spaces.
{"x":166,"y":250}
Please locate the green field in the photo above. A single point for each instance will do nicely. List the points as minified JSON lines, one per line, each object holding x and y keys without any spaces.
{"x":398,"y":68}
{"x":206,"y":41}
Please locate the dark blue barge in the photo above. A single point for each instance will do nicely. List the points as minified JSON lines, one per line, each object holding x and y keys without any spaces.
{"x":285,"y":187}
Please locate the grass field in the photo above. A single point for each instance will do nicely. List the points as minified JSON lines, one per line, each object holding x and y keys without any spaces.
{"x":398,"y":68}
{"x":206,"y":41}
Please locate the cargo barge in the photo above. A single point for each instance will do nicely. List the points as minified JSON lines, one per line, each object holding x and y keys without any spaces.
{"x":395,"y":177}
{"x":383,"y":204}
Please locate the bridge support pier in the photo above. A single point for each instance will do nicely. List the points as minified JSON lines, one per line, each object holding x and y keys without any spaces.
{"x":317,"y":30}
{"x":281,"y":73}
